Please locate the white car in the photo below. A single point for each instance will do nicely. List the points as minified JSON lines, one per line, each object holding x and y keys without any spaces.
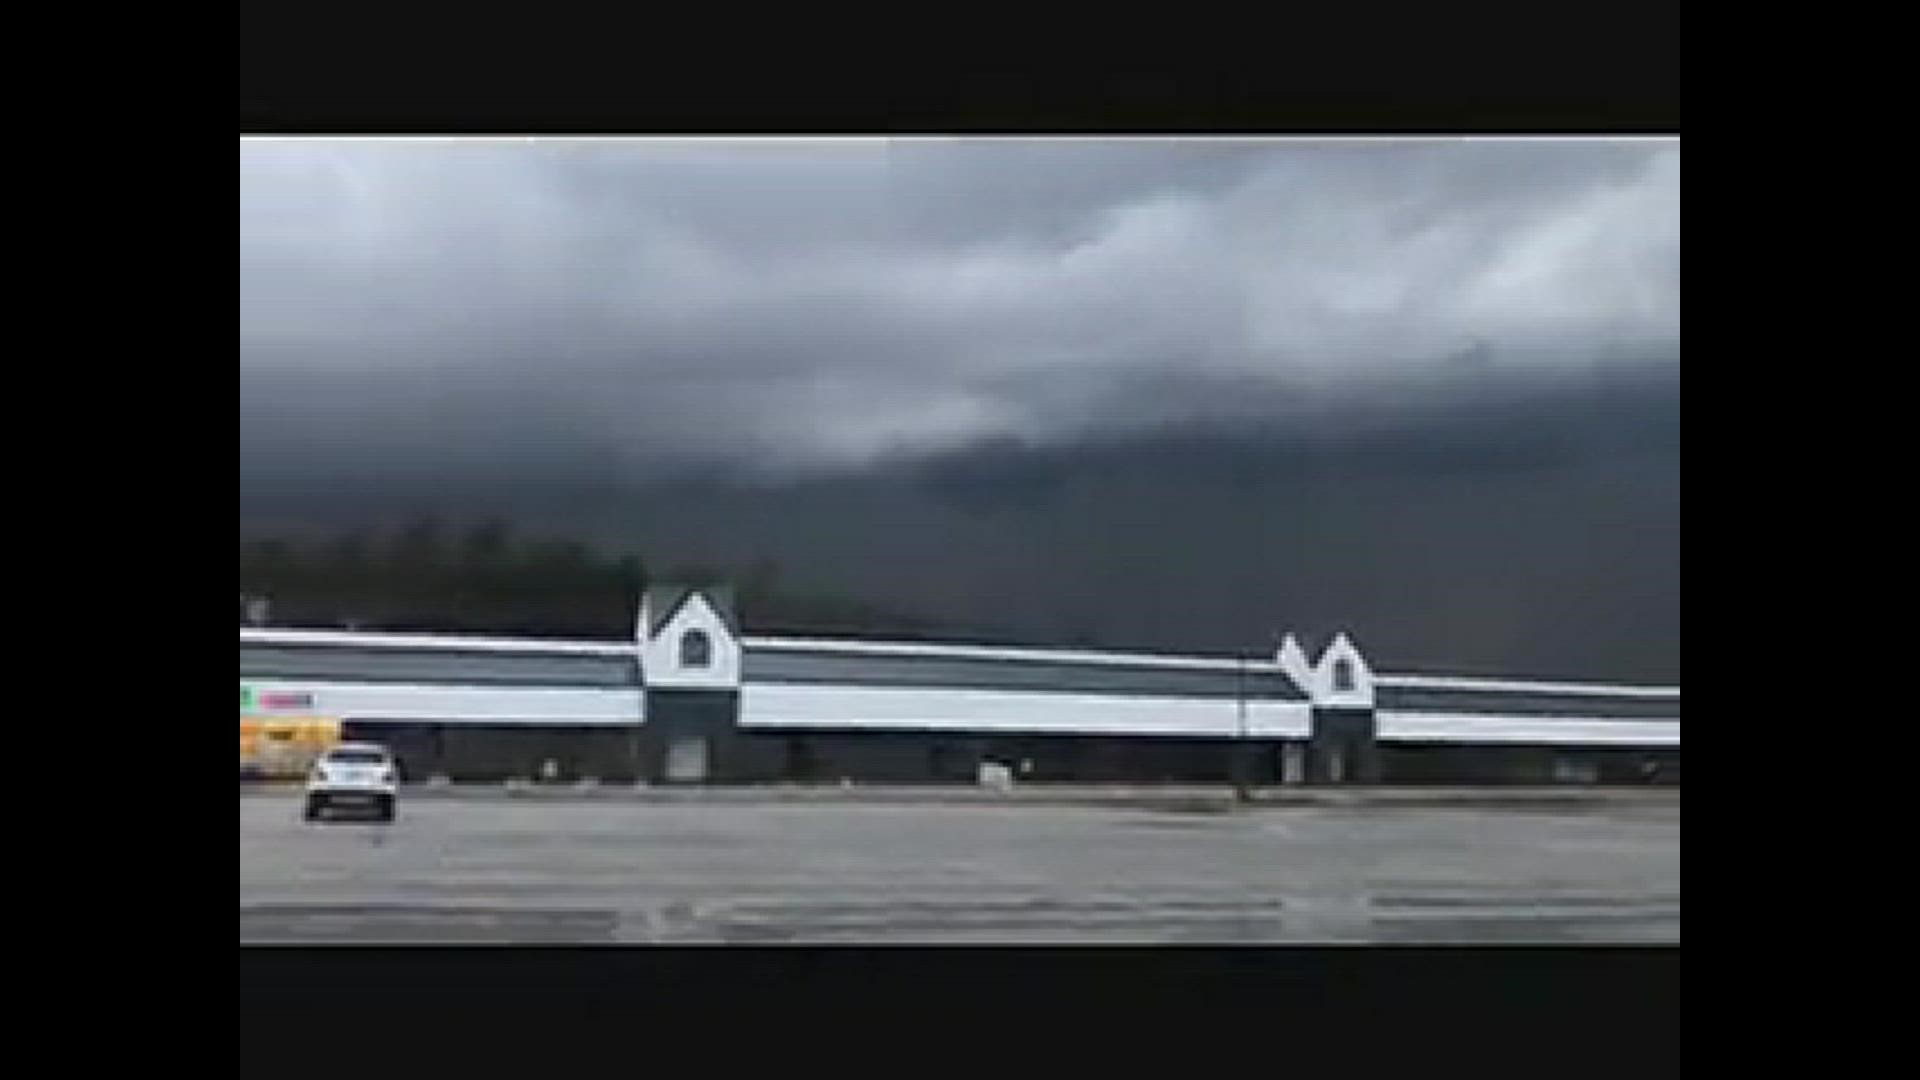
{"x":359,"y":775}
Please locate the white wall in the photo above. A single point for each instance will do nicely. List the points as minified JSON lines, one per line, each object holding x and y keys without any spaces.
{"x":459,"y":704}
{"x":872,"y":708}
{"x":1396,"y":726}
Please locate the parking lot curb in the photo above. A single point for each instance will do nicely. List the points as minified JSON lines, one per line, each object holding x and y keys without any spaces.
{"x":1191,"y":799}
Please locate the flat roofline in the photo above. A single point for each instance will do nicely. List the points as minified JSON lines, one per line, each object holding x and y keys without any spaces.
{"x":385,"y":640}
{"x":1449,"y":682}
{"x":1028,"y":654}
{"x":1252,"y":663}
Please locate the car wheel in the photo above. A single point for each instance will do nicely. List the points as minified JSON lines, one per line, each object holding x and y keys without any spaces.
{"x":386,"y":808}
{"x":313,"y":808}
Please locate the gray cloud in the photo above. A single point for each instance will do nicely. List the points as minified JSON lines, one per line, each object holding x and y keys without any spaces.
{"x":792,"y":303}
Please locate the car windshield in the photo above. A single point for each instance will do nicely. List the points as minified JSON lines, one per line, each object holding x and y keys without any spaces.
{"x":356,"y":757}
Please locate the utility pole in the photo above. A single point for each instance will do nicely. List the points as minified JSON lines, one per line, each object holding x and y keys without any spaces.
{"x":1239,"y":754}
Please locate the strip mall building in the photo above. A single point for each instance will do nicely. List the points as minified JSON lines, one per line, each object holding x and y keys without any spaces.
{"x":692,"y":700}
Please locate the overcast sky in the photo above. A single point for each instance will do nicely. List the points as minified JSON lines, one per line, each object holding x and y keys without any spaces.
{"x":790,"y":303}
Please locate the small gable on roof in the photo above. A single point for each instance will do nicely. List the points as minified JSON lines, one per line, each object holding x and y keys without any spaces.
{"x":1342,"y":676}
{"x":689,"y":638}
{"x":663,"y":602}
{"x":1292,"y":659}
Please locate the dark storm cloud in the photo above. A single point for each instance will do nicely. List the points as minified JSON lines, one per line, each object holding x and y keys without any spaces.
{"x":1534,"y":531}
{"x":783,"y":303}
{"x":1162,"y":394}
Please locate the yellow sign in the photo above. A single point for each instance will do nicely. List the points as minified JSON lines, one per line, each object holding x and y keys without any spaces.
{"x":285,"y":746}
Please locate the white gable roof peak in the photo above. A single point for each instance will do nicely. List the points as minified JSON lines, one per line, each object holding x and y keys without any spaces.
{"x":666,"y":659}
{"x":1292,"y":659}
{"x":1343,"y":650}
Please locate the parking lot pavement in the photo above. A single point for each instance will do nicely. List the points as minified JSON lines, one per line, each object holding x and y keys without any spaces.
{"x":609,"y":870}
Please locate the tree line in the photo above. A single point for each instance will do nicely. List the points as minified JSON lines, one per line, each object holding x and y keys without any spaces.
{"x":487,"y":579}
